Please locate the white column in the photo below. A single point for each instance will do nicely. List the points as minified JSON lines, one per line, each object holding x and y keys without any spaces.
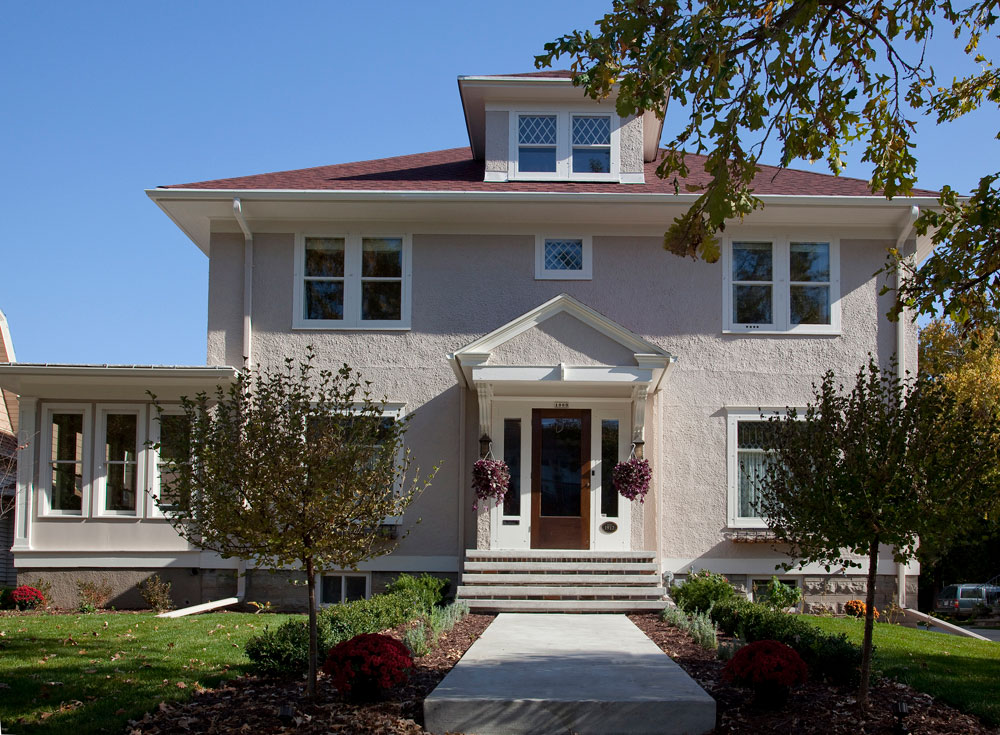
{"x":27,"y":431}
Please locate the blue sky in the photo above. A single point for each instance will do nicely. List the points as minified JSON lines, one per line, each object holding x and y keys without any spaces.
{"x":104,"y":100}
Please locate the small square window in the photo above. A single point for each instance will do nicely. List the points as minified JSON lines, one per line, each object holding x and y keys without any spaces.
{"x":563,"y":258}
{"x":337,"y":588}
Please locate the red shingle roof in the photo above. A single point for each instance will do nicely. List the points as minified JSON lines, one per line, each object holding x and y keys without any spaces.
{"x":455,"y":170}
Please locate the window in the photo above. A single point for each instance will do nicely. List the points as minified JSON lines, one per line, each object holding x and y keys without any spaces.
{"x":782,"y":285}
{"x":119,"y":451}
{"x":609,"y":458}
{"x":512,"y":456}
{"x":65,"y":443}
{"x":759,"y":587}
{"x":336,"y":588}
{"x":563,"y":258}
{"x":564,"y":144}
{"x":172,"y":431}
{"x":747,"y":460}
{"x":352,"y":282}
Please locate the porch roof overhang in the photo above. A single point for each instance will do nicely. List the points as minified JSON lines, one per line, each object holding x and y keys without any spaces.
{"x":130,"y":382}
{"x":651,"y":363}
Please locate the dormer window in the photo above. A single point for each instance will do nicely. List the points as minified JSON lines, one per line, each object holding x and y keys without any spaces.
{"x":563,"y":144}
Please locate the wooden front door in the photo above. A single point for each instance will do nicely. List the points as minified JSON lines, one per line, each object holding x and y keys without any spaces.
{"x":560,"y":479}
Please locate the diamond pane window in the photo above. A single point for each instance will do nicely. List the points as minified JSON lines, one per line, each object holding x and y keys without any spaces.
{"x":537,"y":130}
{"x":563,"y":255}
{"x":591,"y":130}
{"x":591,"y":144}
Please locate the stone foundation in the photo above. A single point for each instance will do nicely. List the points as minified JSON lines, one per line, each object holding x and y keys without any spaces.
{"x":188,"y":586}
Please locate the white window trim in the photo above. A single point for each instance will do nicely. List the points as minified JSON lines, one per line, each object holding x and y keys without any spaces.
{"x":352,"y":284}
{"x":781,"y":286}
{"x":543,"y":274}
{"x":100,"y":475}
{"x":153,"y":461}
{"x":564,"y":144}
{"x":733,"y":417}
{"x":45,"y":508}
{"x":344,"y":573}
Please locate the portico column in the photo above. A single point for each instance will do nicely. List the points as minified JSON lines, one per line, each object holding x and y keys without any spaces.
{"x":27,"y":420}
{"x":639,"y":393}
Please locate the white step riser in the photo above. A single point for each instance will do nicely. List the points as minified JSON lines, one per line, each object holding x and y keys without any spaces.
{"x":466,"y":593}
{"x":565,"y":605}
{"x":556,"y":554}
{"x":557,"y":566}
{"x":560,"y":579}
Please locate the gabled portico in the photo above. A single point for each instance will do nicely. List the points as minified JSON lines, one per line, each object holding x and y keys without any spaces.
{"x":562,"y":393}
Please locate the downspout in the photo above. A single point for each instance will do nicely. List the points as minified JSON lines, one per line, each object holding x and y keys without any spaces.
{"x":901,"y":360}
{"x":247,"y":281}
{"x":241,"y":593}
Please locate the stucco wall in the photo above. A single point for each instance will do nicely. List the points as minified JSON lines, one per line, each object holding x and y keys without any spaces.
{"x":497,"y":140}
{"x":630,"y":142}
{"x":467,"y":285}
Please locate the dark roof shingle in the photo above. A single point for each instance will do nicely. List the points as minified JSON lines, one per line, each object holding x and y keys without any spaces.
{"x":454,"y":169}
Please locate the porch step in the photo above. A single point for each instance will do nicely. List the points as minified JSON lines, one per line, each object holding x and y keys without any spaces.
{"x":561,"y":580}
{"x":564,"y":591}
{"x":565,"y":606}
{"x":564,"y":578}
{"x":559,"y":566}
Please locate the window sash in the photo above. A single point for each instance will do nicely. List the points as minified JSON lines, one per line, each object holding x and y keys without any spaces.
{"x":51,"y":465}
{"x":113,"y":499}
{"x":563,"y":147}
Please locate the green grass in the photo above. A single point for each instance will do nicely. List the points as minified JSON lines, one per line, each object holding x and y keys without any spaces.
{"x":963,"y":672}
{"x":92,"y":673}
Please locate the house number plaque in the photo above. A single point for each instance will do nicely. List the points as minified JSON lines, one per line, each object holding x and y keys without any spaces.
{"x":609,"y":526}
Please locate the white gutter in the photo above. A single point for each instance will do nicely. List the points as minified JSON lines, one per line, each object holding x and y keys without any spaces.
{"x":241,"y":592}
{"x":247,"y":281}
{"x":901,"y":360}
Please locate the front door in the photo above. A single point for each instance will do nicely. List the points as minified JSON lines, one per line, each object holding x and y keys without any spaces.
{"x":560,"y":479}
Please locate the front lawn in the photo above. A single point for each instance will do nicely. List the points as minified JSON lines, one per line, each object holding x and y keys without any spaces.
{"x":92,"y":673}
{"x":960,"y":671}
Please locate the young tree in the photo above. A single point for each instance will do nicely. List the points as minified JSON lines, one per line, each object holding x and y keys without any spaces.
{"x":290,"y":466}
{"x":814,"y":77}
{"x":886,"y":463}
{"x":8,"y":473}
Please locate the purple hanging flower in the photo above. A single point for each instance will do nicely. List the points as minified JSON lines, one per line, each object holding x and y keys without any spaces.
{"x":490,"y":480}
{"x":632,"y":478}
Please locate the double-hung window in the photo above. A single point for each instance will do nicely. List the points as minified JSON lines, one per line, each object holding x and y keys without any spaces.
{"x":352,"y":281}
{"x":782,"y":285}
{"x":748,"y":459}
{"x":65,"y":450}
{"x":120,"y":447}
{"x":171,"y":431}
{"x":564,"y":144}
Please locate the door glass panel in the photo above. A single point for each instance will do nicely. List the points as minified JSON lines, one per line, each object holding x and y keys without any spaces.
{"x":512,"y":456}
{"x":609,"y":458}
{"x":560,"y":466}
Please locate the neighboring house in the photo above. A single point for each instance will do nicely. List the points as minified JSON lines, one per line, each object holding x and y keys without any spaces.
{"x":515,"y":293}
{"x":8,"y":463}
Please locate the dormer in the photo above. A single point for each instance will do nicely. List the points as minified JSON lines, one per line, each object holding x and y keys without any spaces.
{"x":539,"y":127}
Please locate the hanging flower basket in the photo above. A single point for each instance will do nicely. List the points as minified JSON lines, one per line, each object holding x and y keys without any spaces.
{"x":490,"y":480}
{"x":632,"y":478}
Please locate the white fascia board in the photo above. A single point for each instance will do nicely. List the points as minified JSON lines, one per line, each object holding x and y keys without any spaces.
{"x":36,"y":380}
{"x":562,"y":373}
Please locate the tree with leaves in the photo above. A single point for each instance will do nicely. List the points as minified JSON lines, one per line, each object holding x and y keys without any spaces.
{"x":884,"y":463}
{"x":290,"y":467}
{"x":813,"y":77}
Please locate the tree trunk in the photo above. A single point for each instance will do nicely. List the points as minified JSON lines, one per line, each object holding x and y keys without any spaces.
{"x":866,"y":646}
{"x":313,"y":646}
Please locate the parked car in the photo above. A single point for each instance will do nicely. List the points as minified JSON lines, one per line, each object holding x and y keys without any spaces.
{"x":965,"y":599}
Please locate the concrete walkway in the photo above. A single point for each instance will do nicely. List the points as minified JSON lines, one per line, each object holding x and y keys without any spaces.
{"x":560,"y":674}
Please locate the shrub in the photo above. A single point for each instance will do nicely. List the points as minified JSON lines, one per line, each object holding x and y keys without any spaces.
{"x":728,"y":649}
{"x":698,"y":625}
{"x":368,"y":664}
{"x":858,"y":608}
{"x":427,"y":589}
{"x":93,"y":595}
{"x":828,"y":656}
{"x":7,"y":598}
{"x":777,"y":595}
{"x":415,"y":639}
{"x":702,"y":590}
{"x":281,"y":651}
{"x":770,"y":668}
{"x":27,"y":598}
{"x":381,"y":612}
{"x":156,"y":593}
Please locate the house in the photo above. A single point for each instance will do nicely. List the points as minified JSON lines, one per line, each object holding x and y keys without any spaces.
{"x":513,"y":297}
{"x":8,"y":463}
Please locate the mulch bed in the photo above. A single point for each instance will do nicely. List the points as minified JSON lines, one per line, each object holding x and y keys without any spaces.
{"x":813,"y":709}
{"x":251,"y":705}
